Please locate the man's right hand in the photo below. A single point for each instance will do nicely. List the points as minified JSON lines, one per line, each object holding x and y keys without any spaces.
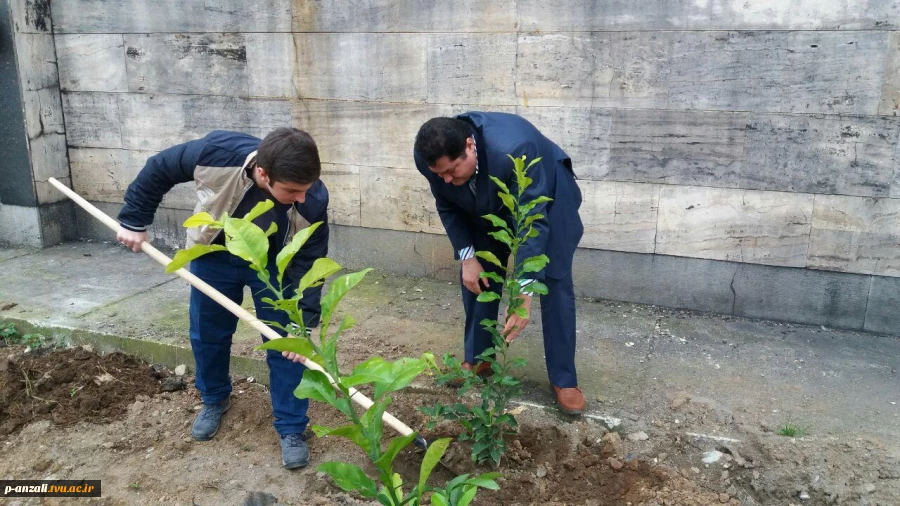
{"x":131,"y":238}
{"x":471,"y":276}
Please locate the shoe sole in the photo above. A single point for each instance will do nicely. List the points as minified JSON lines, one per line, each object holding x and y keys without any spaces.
{"x":294,"y":466}
{"x":573,"y":412}
{"x":211,"y":436}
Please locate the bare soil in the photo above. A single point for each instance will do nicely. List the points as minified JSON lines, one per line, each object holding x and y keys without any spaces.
{"x":72,"y":414}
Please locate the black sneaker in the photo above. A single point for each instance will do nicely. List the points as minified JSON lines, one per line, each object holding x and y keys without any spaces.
{"x":294,"y":451}
{"x":206,"y":425}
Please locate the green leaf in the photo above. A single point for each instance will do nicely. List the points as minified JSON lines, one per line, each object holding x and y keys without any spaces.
{"x":467,"y":496}
{"x":493,"y":276}
{"x":433,"y":455}
{"x":438,"y":499}
{"x":394,"y":447}
{"x":486,"y":480}
{"x":508,"y":201}
{"x":396,"y":484}
{"x":372,"y":370}
{"x":500,"y":183}
{"x":272,"y":229}
{"x":532,"y":233}
{"x":183,"y":256}
{"x":403,"y":372}
{"x":532,"y":218}
{"x":259,"y":209}
{"x":351,"y":432}
{"x":321,"y":269}
{"x":247,"y":241}
{"x":537,"y":287}
{"x":490,"y":257}
{"x":536,"y":160}
{"x":526,"y":208}
{"x":455,"y":486}
{"x":339,"y":287}
{"x":320,"y":430}
{"x":201,"y":219}
{"x":287,"y":305}
{"x":287,"y":253}
{"x":298,"y":345}
{"x":350,"y":478}
{"x":488,"y":297}
{"x":522,"y":181}
{"x":488,"y":322}
{"x":315,"y":386}
{"x":496,"y":221}
{"x":502,"y":236}
{"x":535,"y":264}
{"x":372,"y":418}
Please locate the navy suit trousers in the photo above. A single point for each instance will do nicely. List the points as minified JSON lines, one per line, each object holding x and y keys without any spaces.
{"x":557,"y":315}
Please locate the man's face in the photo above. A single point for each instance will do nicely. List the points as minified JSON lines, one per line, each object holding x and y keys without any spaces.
{"x":459,"y":170}
{"x":285,"y":193}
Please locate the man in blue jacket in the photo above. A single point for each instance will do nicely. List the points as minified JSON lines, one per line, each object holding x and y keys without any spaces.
{"x":233,"y":172}
{"x":457,"y":156}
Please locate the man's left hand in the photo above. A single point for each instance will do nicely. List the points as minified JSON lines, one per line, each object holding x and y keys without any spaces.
{"x":515,"y":324}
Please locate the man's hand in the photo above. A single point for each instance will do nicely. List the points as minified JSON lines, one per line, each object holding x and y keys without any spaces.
{"x":471,"y":272}
{"x":515,"y":324}
{"x":131,"y":238}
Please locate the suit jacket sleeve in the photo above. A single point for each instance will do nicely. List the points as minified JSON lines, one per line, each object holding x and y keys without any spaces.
{"x":457,"y":222}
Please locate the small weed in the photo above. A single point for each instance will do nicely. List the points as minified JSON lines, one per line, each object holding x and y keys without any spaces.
{"x":134,"y":486}
{"x":33,"y":341}
{"x":8,"y":331}
{"x":790,"y":429}
{"x":10,"y":334}
{"x":73,"y":392}
{"x":247,"y":448}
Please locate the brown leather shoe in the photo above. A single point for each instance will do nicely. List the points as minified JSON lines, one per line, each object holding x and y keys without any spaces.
{"x":483,"y":369}
{"x":570,"y":400}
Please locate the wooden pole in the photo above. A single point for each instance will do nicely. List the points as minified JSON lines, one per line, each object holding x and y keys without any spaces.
{"x":230,"y":305}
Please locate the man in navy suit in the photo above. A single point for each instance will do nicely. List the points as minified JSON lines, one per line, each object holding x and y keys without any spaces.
{"x":457,"y":156}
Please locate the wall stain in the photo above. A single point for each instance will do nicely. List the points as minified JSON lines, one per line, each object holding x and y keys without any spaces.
{"x":134,"y":53}
{"x":37,"y":13}
{"x":228,"y":45}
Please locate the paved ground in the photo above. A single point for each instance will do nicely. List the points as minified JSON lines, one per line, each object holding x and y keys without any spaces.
{"x":633,"y":360}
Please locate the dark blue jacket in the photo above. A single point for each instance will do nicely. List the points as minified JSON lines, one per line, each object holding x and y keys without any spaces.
{"x":218,"y":163}
{"x":496,"y":136}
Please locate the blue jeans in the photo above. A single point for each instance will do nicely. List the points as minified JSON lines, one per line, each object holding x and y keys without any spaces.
{"x":212,"y":327}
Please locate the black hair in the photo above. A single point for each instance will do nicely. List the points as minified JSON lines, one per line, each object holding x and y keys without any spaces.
{"x":289,"y":155}
{"x":440,"y":137}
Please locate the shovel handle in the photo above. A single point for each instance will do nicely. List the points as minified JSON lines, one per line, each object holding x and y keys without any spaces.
{"x":236,"y":309}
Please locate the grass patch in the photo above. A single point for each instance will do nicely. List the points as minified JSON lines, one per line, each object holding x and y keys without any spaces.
{"x":790,"y":429}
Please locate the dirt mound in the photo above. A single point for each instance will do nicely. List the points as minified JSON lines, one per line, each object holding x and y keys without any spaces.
{"x":70,"y":385}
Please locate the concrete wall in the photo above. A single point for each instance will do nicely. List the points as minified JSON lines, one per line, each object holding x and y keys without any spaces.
{"x":753,"y":144}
